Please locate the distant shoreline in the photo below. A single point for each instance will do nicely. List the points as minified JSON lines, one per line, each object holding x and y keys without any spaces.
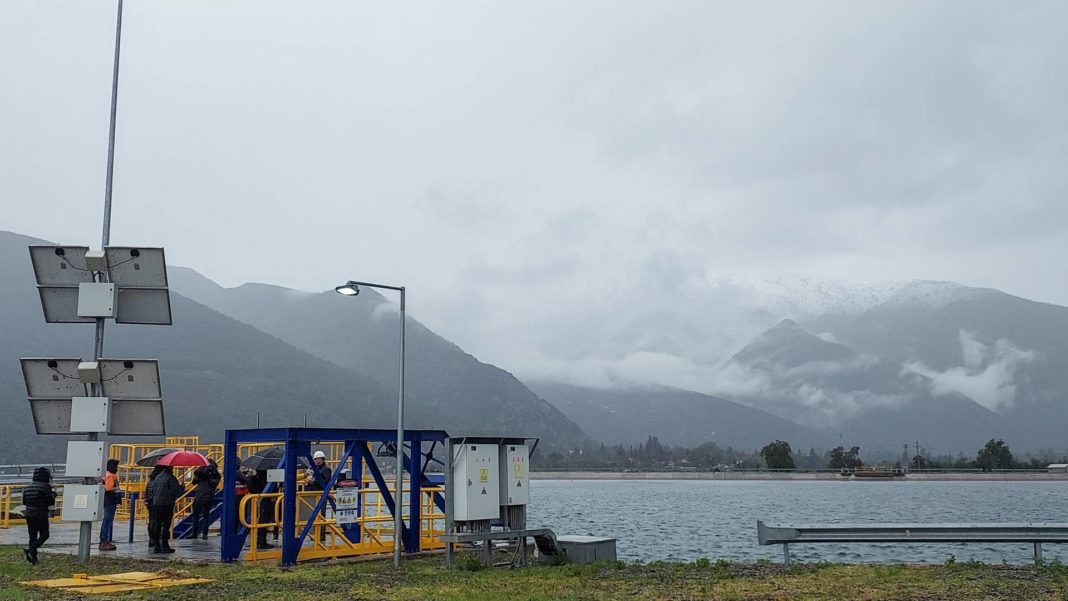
{"x":801,"y":476}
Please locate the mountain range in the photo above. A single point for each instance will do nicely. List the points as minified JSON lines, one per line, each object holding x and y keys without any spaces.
{"x":811,"y":361}
{"x":939,"y":363}
{"x":218,"y":372}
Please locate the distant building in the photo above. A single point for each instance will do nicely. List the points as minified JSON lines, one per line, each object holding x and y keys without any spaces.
{"x":1057,"y":467}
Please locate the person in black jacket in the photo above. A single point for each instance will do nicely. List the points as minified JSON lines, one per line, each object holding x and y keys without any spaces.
{"x":205,"y":481}
{"x":148,"y":503}
{"x":37,"y":497}
{"x":257,"y":484}
{"x":164,"y":491}
{"x":320,"y":465}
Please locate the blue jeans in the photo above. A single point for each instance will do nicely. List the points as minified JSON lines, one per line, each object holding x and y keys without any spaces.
{"x":108,"y":523}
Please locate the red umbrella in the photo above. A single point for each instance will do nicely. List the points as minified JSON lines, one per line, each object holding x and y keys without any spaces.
{"x":182,"y":459}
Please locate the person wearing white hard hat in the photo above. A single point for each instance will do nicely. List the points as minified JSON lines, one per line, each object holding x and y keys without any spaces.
{"x":319,"y":459}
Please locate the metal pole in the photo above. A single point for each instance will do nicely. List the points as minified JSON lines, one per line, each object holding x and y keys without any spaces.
{"x":111,"y":131}
{"x":85,"y":529}
{"x":398,"y":523}
{"x":450,"y":525}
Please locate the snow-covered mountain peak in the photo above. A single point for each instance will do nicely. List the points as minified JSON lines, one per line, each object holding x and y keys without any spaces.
{"x":805,"y":297}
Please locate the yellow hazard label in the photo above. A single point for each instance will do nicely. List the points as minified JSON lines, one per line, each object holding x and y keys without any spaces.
{"x":483,"y":474}
{"x":518,"y":469}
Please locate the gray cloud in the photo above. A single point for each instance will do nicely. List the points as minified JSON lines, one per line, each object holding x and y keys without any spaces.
{"x":988,"y":374}
{"x":541,"y":174}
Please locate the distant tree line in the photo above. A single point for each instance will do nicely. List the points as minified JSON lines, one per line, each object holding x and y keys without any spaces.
{"x":995,"y":455}
{"x":778,"y":454}
{"x":652,"y":454}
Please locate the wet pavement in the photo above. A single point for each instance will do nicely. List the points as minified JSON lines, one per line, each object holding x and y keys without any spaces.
{"x":63,"y":538}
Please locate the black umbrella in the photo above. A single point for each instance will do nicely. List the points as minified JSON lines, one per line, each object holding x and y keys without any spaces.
{"x":269,"y":459}
{"x":150,"y":459}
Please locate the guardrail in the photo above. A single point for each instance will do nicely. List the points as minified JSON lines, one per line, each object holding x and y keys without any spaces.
{"x":5,"y":505}
{"x":737,"y":470}
{"x":1035,"y":534}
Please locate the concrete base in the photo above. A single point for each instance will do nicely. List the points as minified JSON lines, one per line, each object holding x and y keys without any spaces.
{"x":587,"y":549}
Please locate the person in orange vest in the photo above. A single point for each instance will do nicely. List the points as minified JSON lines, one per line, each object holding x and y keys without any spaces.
{"x":111,"y":503}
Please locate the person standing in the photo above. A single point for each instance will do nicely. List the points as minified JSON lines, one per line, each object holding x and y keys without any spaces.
{"x":164,"y":491}
{"x":37,"y":497}
{"x":257,"y":485}
{"x":148,"y":503}
{"x":205,"y":481}
{"x":111,"y":503}
{"x":324,"y":473}
{"x":319,"y":459}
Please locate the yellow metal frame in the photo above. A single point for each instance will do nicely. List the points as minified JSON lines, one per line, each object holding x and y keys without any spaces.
{"x":376,"y":525}
{"x":5,"y":505}
{"x":8,"y":504}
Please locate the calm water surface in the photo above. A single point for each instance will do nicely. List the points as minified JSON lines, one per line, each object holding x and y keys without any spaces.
{"x":687,"y":520}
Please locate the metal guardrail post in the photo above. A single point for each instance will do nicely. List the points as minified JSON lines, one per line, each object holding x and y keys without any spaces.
{"x":786,"y":554}
{"x":1038,"y":554}
{"x":132,"y":498}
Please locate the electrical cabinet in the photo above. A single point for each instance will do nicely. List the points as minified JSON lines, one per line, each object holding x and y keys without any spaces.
{"x":96,"y":299}
{"x":90,"y":414}
{"x":85,"y":458}
{"x":515,"y":480}
{"x":476,"y":482}
{"x":83,"y":502}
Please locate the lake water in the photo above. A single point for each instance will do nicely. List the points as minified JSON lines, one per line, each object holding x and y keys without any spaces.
{"x":687,"y":520}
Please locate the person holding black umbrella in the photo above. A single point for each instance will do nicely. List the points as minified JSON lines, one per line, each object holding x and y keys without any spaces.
{"x":257,"y":484}
{"x":156,"y":471}
{"x":205,"y":481}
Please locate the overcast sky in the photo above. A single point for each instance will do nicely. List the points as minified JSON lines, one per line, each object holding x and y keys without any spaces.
{"x":526,"y":167}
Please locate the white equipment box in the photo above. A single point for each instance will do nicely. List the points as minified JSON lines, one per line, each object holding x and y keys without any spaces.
{"x":89,"y":414}
{"x":83,"y":502}
{"x":96,"y":299}
{"x":515,"y":482}
{"x":476,"y":479}
{"x":85,"y":458}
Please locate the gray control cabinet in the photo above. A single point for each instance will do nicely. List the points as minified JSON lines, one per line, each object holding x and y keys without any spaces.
{"x":83,"y":502}
{"x":476,"y":478}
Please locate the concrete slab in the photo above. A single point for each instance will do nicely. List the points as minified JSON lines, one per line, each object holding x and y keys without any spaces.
{"x":63,"y":538}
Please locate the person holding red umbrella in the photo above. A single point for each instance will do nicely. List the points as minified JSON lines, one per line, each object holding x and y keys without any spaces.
{"x":164,"y":491}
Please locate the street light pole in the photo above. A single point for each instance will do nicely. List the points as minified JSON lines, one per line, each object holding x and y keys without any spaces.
{"x":85,"y":529}
{"x":352,"y":288}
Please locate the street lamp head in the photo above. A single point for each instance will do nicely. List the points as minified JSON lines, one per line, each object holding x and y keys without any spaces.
{"x":348,"y":289}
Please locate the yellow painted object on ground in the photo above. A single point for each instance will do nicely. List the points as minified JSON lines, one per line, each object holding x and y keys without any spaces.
{"x":119,"y":583}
